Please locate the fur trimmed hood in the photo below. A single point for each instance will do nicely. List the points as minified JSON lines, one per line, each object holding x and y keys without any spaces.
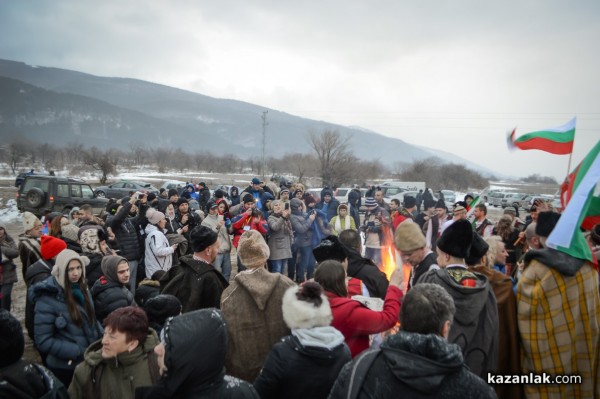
{"x":302,"y":314}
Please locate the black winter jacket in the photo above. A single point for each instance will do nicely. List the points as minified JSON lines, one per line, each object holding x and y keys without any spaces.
{"x":108,"y":296}
{"x":412,"y":365}
{"x":127,"y":231}
{"x":365,"y":270}
{"x":93,"y":270}
{"x":39,"y":271}
{"x":25,"y":380}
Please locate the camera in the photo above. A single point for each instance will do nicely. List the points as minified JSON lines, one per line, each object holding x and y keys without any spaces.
{"x":286,"y":206}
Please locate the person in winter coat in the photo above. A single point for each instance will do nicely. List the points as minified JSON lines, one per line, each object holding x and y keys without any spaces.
{"x":341,"y":221}
{"x":65,"y":323}
{"x":475,"y":324}
{"x":92,"y":239}
{"x":201,"y":334}
{"x":234,"y":195}
{"x":158,"y":254}
{"x":354,"y":320}
{"x":121,"y":361}
{"x":126,"y":230}
{"x":148,"y":288}
{"x":280,"y":237}
{"x":249,"y":219}
{"x":303,"y":242}
{"x":252,"y":308}
{"x":363,"y":268}
{"x":412,"y":245}
{"x":221,"y":225}
{"x":111,"y":291}
{"x":254,"y":189}
{"x":160,"y":308}
{"x":39,"y":271}
{"x":8,"y":268}
{"x":315,"y":351}
{"x":20,"y":378}
{"x":189,"y":192}
{"x":29,"y":241}
{"x":329,"y":204}
{"x":417,"y":362}
{"x":195,"y":282}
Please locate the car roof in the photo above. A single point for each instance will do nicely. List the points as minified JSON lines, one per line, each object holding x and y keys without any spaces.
{"x":57,"y":178}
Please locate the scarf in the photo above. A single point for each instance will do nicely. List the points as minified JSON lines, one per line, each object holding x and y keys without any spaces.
{"x":77,"y":293}
{"x":338,"y":223}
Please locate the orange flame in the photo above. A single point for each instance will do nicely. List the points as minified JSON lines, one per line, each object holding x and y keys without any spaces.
{"x":388,"y":257}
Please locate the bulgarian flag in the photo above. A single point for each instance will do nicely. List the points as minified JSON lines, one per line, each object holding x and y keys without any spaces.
{"x":581,"y":195}
{"x":474,"y":202}
{"x":558,"y":140}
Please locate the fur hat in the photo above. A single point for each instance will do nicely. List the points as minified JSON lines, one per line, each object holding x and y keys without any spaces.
{"x":30,"y":221}
{"x":441,"y":205}
{"x":330,"y":248}
{"x":62,"y":261}
{"x":253,"y":250}
{"x":545,"y":223}
{"x":12,"y":342}
{"x":429,"y":203}
{"x":172,"y":192}
{"x":478,"y":248}
{"x":161,"y":307}
{"x":51,"y":247}
{"x":409,"y":237}
{"x":456,"y":239}
{"x":154,"y":216}
{"x":109,"y":266}
{"x":202,"y":237}
{"x":409,"y":201}
{"x":370,"y":202}
{"x":306,"y":306}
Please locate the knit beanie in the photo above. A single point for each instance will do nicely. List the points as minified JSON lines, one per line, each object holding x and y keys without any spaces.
{"x":154,"y":216}
{"x":456,"y":239}
{"x":12,"y":342}
{"x":295,"y":204}
{"x":370,"y":202}
{"x":181,"y":200}
{"x":161,"y":307}
{"x":90,"y":237}
{"x":110,"y":265}
{"x":202,"y":237}
{"x":330,"y":248}
{"x":253,"y":250}
{"x":62,"y":261}
{"x":69,"y":231}
{"x":30,"y":221}
{"x":306,"y":306}
{"x":51,"y":246}
{"x":409,"y":237}
{"x":172,"y":192}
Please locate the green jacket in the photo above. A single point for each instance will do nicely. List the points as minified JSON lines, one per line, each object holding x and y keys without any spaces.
{"x":117,"y":377}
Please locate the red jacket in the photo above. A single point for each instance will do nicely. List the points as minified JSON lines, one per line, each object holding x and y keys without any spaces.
{"x":246,"y":222}
{"x":355,"y":321}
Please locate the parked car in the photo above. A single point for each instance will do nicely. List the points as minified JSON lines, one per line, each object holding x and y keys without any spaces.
{"x":169,"y":184}
{"x":400,"y":196}
{"x":495,"y":198}
{"x":512,"y":199}
{"x":123,"y":188}
{"x":38,"y":194}
{"x":389,"y":191}
{"x":527,"y":202}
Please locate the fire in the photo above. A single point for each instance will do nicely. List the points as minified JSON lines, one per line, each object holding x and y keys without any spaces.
{"x":389,"y":259}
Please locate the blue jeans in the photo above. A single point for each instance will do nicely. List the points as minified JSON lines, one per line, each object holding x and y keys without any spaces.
{"x":278,"y":265}
{"x":5,"y":295}
{"x":374,"y":254}
{"x":223,"y":264}
{"x":306,"y":264}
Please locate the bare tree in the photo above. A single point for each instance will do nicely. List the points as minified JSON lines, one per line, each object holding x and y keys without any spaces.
{"x":333,"y":154}
{"x":15,"y":153}
{"x":100,"y":161}
{"x":300,"y":165}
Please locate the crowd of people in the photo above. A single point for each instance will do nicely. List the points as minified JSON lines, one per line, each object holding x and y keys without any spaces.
{"x":142,"y":301}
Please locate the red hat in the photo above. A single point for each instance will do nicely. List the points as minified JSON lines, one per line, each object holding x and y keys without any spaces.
{"x":51,"y":246}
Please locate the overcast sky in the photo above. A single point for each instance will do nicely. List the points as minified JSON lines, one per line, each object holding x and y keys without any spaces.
{"x":454,"y":75}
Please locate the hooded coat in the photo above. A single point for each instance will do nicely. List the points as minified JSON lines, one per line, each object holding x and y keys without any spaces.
{"x":316,"y":355}
{"x":475,"y":325}
{"x":330,"y":209}
{"x":158,"y":255}
{"x":252,"y":307}
{"x":192,"y":336}
{"x":116,"y":377}
{"x":412,"y":365}
{"x":196,"y":284}
{"x":367,"y":271}
{"x":558,"y":310}
{"x":108,"y":293}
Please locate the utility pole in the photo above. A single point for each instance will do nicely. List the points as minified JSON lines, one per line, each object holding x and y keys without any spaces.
{"x":264,"y":142}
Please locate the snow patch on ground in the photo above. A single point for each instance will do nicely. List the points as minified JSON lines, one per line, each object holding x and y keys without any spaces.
{"x":9,"y":212}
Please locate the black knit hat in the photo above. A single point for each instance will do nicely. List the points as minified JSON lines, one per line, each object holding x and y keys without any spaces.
{"x":172,"y":192}
{"x":545,"y":223}
{"x":456,"y":240}
{"x":202,"y":237}
{"x":330,"y":248}
{"x":161,"y":307}
{"x":478,"y":248}
{"x":180,"y":201}
{"x":12,"y":343}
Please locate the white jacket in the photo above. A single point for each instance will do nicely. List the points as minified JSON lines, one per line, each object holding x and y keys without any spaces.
{"x":159,"y":254}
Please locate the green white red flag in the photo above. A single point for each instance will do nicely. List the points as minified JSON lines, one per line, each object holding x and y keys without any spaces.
{"x":580,"y":195}
{"x":558,"y":140}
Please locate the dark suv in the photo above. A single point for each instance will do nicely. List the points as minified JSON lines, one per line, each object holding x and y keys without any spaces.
{"x":40,"y":193}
